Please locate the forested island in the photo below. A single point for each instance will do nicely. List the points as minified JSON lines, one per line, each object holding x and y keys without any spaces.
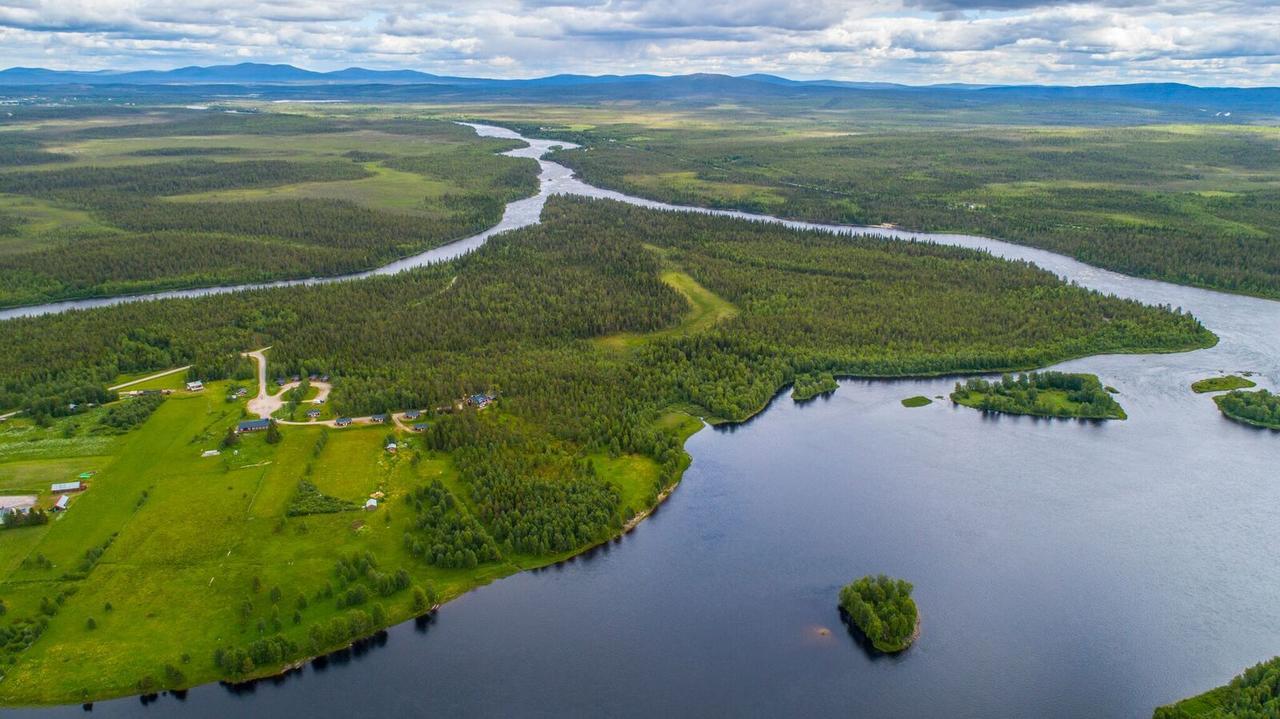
{"x":808,"y":386}
{"x":1254,"y":694}
{"x":717,"y":315}
{"x":1043,"y":394}
{"x":1260,"y":408}
{"x":1222,"y":384}
{"x":882,"y":609}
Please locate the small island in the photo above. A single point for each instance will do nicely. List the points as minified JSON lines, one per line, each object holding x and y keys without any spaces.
{"x":1260,"y":409}
{"x":882,"y":609}
{"x":810,"y":385}
{"x":917,"y":401}
{"x":1222,"y":384}
{"x":1043,"y":394}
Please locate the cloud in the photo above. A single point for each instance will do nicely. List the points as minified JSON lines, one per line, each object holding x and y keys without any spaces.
{"x":921,"y":41}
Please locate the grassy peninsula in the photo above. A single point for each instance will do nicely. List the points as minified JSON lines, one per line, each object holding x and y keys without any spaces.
{"x":1042,"y":394}
{"x":1260,"y":408}
{"x":1254,"y":694}
{"x":882,"y":609}
{"x":275,"y":557}
{"x":1222,"y":384}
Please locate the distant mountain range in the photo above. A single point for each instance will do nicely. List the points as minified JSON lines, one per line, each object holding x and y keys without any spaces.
{"x":288,"y":80}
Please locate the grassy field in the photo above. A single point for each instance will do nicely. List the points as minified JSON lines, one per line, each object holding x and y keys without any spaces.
{"x":1222,"y":384}
{"x":917,"y":401}
{"x":192,"y":539}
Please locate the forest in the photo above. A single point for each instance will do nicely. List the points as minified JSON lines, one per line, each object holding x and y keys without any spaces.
{"x":882,"y":609}
{"x":1195,"y":205}
{"x":1254,"y":694}
{"x":170,"y":203}
{"x":595,"y":330}
{"x":1045,"y":394}
{"x":1260,"y":408}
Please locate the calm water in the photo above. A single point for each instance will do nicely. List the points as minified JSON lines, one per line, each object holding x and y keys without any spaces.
{"x":1063,"y":569}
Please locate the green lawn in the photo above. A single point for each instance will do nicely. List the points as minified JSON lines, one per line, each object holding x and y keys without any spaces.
{"x":917,"y":401}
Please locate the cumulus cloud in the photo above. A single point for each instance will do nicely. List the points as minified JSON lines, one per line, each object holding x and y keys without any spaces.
{"x":920,"y":41}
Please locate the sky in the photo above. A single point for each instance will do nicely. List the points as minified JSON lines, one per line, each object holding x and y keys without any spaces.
{"x":1203,"y":42}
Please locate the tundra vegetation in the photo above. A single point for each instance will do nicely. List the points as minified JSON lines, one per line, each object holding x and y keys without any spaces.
{"x":192,"y":198}
{"x":601,"y":331}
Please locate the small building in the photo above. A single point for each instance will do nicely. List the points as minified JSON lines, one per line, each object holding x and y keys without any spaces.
{"x":313,"y":413}
{"x":195,"y":386}
{"x":313,"y":377}
{"x":378,"y":418}
{"x":412,"y":414}
{"x":252,"y":425}
{"x":61,"y":487}
{"x":85,"y":475}
{"x":480,"y":400}
{"x":420,"y":427}
{"x":62,"y":503}
{"x":210,"y":453}
{"x":371,"y":505}
{"x":342,"y":421}
{"x":295,"y":378}
{"x":392,"y":447}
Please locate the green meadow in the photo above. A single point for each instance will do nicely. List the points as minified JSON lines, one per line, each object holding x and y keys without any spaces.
{"x":198,"y":546}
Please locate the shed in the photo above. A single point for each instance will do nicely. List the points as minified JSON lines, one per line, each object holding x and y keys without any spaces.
{"x":371,"y":505}
{"x":392,"y":447}
{"x":62,"y":503}
{"x":195,"y":386}
{"x":253,"y":425}
{"x":210,"y":453}
{"x":66,"y":487}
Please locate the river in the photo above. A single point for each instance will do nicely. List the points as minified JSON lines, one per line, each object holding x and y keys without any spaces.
{"x":1062,"y":568}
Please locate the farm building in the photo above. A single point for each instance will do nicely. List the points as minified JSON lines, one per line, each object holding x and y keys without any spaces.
{"x":61,"y":487}
{"x":62,"y":503}
{"x":195,"y":386}
{"x":342,"y":421}
{"x":252,"y":425}
{"x":210,"y":453}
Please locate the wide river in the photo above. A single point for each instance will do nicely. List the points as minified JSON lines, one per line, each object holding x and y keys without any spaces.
{"x":1063,"y":569}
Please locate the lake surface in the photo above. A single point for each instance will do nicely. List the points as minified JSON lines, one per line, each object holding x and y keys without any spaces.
{"x":1062,"y":568}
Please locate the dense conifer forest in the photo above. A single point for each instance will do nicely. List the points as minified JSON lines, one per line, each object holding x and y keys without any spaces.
{"x":1260,"y":408}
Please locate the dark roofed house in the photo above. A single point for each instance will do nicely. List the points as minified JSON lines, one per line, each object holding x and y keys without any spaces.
{"x":412,"y":414}
{"x":378,"y":418}
{"x":420,"y":427}
{"x":342,"y":421}
{"x":253,"y":425}
{"x":480,"y":400}
{"x":313,"y":413}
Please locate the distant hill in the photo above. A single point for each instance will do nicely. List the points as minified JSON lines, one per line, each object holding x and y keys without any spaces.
{"x":702,"y":87}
